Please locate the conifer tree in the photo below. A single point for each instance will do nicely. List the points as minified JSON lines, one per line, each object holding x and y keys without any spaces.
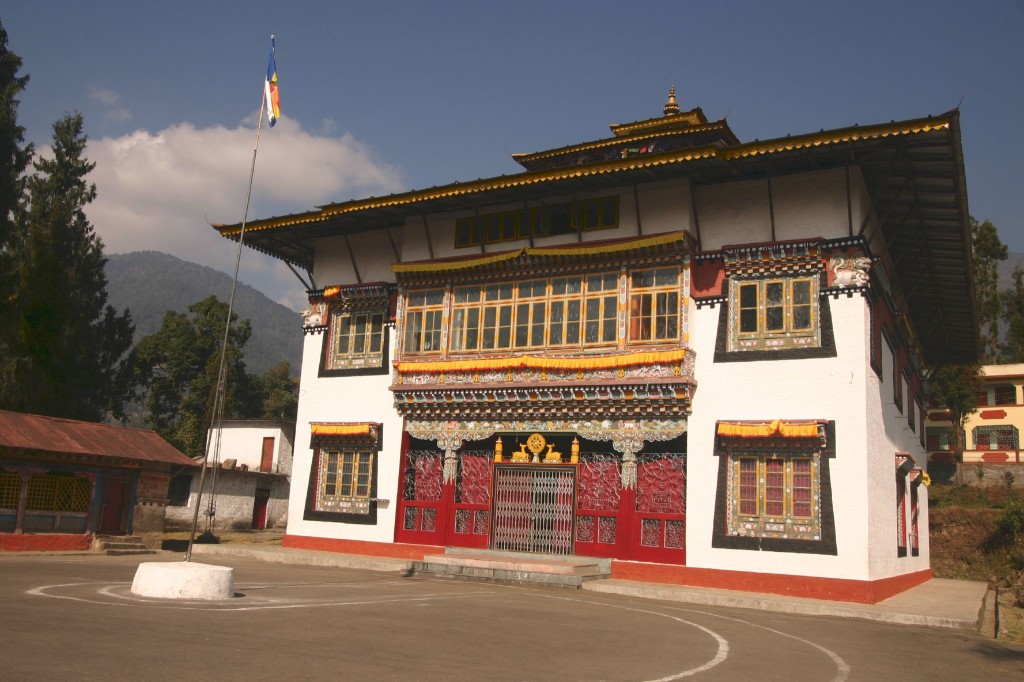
{"x":68,"y":344}
{"x":15,"y":156}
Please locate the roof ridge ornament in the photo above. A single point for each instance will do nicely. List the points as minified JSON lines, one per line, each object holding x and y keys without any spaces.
{"x":671,"y":106}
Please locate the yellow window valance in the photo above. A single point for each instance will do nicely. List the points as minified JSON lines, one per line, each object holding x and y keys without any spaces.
{"x":545,"y":363}
{"x":773,"y":429}
{"x":363,"y":435}
{"x":337,"y":429}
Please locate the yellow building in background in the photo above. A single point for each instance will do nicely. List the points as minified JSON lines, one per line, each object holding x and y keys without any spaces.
{"x":992,"y":433}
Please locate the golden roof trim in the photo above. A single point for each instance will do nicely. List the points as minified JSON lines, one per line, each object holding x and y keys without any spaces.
{"x":613,"y":141}
{"x":779,"y":145}
{"x":694,"y":116}
{"x":832,"y":137}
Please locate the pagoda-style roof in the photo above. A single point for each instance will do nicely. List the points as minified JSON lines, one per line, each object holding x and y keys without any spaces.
{"x":913,"y":171}
{"x":672,"y":131}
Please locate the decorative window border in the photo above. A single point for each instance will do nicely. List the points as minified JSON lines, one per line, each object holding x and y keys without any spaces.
{"x":326,"y":308}
{"x":825,"y":349}
{"x":821,"y":447}
{"x":365,"y":437}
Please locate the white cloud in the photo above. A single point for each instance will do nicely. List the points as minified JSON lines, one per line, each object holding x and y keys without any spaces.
{"x":160,"y":191}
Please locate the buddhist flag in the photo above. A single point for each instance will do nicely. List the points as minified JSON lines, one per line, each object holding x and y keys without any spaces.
{"x":270,"y":88}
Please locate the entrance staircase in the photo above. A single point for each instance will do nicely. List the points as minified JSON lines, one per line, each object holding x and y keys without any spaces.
{"x":120,"y":545}
{"x":512,"y":567}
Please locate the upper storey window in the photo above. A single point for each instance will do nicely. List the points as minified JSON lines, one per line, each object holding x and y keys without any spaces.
{"x":557,"y":313}
{"x":356,"y":339}
{"x":654,"y":305}
{"x":539,"y":221}
{"x":775,"y":308}
{"x":423,"y":321}
{"x":356,"y":320}
{"x":774,"y":313}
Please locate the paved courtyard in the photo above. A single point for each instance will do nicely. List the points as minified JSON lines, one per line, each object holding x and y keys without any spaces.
{"x":74,"y":617}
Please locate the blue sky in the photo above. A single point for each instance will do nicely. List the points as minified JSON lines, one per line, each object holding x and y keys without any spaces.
{"x":385,"y":96}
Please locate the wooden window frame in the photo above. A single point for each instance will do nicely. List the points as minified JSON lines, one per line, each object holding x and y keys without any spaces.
{"x":751,"y":319}
{"x":428,"y":317}
{"x":653,"y":309}
{"x":764,"y":463}
{"x":565,"y":217}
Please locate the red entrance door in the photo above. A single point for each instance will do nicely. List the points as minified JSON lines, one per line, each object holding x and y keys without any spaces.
{"x":112,"y":513}
{"x":259,"y":509}
{"x":422,"y":510}
{"x":267,"y":456}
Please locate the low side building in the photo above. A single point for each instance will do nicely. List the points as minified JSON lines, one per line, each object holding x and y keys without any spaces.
{"x":63,"y":481}
{"x":249,"y":487}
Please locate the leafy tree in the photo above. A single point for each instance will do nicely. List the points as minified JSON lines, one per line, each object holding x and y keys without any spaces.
{"x":1013,"y":315}
{"x":956,"y":387}
{"x":989,"y":251}
{"x":15,"y":156}
{"x":66,"y":345}
{"x":177,"y":370}
{"x":280,"y":392}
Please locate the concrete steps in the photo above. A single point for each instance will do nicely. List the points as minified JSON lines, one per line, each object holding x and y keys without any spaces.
{"x":510,"y":567}
{"x":120,"y":545}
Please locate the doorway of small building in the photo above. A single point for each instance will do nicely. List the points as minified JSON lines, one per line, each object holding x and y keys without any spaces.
{"x":114,"y":506}
{"x":533,"y":508}
{"x":259,"y":509}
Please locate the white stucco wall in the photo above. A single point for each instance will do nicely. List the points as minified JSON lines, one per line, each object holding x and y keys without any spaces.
{"x":242,"y":441}
{"x":817,"y":388}
{"x":236,"y":497}
{"x":889,"y":433}
{"x":345,"y":399}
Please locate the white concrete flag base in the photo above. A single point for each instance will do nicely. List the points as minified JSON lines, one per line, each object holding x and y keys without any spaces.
{"x":184,"y":580}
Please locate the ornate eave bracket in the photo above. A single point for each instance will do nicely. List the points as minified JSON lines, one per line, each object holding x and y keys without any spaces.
{"x":627,"y":436}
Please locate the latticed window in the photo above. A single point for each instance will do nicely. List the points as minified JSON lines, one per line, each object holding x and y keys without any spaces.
{"x":10,"y":490}
{"x":774,"y":495}
{"x":995,"y":437}
{"x":345,"y":481}
{"x":356,"y":340}
{"x":58,"y":493}
{"x":773,"y":313}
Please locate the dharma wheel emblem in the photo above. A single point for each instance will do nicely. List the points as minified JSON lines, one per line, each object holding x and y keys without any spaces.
{"x":536,"y":444}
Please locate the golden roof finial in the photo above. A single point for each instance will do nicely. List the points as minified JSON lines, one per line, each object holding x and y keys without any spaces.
{"x":671,"y":106}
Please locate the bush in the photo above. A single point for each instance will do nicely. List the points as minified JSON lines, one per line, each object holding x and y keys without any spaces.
{"x":1009,"y":523}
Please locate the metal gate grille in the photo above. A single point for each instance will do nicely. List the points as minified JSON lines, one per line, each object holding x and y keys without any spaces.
{"x":533,"y":509}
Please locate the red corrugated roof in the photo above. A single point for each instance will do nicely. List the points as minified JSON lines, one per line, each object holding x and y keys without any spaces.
{"x":52,"y":434}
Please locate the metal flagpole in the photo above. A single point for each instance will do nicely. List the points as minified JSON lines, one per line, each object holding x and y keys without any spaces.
{"x":218,"y":399}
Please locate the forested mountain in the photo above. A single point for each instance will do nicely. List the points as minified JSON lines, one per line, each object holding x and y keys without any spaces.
{"x":150,"y":283}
